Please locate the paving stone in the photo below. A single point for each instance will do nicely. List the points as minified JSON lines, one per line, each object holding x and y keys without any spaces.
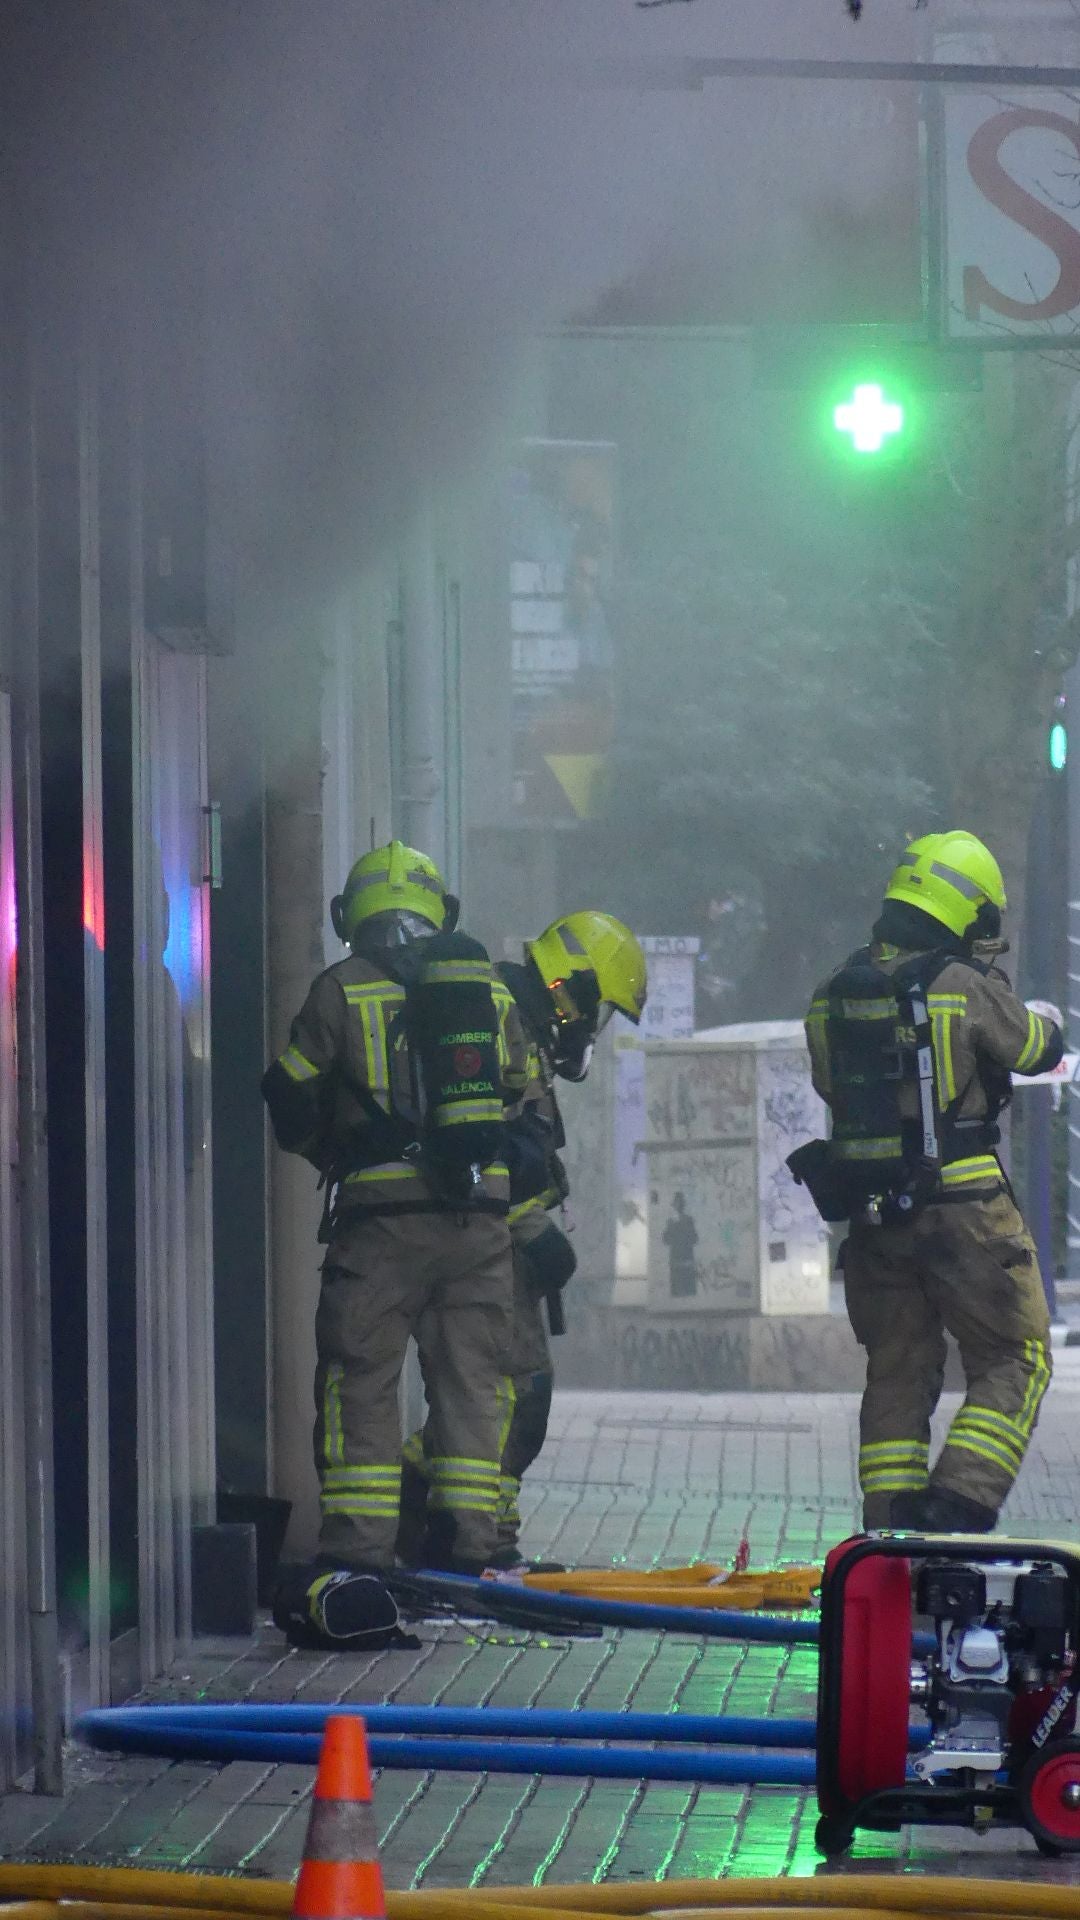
{"x":625,"y":1480}
{"x":139,"y":1818}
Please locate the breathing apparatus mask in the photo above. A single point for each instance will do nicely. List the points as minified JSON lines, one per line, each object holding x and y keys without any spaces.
{"x":397,"y":928}
{"x":580,"y":1018}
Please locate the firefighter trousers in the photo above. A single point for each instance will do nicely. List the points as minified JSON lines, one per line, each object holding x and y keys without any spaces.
{"x":969,"y":1268}
{"x":447,"y":1282}
{"x":527,"y":1361}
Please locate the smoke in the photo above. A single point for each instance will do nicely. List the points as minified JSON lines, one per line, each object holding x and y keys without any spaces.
{"x":369,"y":208}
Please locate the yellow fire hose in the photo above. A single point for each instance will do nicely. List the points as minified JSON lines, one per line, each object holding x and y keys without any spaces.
{"x":440,"y":1904}
{"x":121,"y":1893}
{"x":702,"y":1585}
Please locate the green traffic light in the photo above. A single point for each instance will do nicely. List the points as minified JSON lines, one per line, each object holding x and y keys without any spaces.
{"x":1058,"y":746}
{"x":868,"y":418}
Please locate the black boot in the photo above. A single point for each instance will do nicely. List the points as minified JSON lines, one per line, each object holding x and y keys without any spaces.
{"x":509,"y":1559}
{"x":940,"y":1510}
{"x":412,"y":1518}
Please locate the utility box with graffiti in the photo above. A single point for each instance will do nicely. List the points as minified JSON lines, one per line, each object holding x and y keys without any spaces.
{"x":727,"y":1230}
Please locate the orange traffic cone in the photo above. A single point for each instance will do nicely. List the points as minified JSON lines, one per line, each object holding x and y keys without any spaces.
{"x":340,"y":1875}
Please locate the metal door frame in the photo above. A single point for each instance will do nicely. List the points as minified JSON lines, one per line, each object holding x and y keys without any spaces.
{"x":173,"y":1213}
{"x":14,"y":1646}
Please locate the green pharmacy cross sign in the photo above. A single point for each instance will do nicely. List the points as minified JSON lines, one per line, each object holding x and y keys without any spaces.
{"x":869,"y":418}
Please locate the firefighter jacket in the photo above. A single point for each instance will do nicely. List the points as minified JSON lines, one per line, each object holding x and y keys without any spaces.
{"x":338,"y":1093}
{"x":981,"y":1034}
{"x":539,"y":1124}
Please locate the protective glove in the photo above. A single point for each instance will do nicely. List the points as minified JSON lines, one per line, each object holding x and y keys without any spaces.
{"x":550,"y":1261}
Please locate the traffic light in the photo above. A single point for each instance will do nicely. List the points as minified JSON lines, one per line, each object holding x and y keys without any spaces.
{"x":1057,"y":739}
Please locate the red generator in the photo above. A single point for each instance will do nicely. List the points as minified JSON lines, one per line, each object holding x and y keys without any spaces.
{"x":947,"y":1689}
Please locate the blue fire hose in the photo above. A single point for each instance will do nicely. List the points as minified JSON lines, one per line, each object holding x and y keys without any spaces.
{"x":487,"y":1597}
{"x":161,"y":1731}
{"x":719,"y":1623}
{"x":293,"y":1733}
{"x":506,"y":1723}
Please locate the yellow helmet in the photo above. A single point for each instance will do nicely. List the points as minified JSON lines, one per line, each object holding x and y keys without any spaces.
{"x":592,"y":961}
{"x":392,"y":879}
{"x":954,"y":878}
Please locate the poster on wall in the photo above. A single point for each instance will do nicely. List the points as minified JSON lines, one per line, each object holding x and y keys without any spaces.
{"x":562,"y":651}
{"x":669,"y":1015}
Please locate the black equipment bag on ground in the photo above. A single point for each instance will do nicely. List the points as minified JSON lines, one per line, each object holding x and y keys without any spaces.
{"x":337,"y":1609}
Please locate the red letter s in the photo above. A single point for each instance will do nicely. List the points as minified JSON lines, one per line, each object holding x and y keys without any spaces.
{"x":1017,"y":204}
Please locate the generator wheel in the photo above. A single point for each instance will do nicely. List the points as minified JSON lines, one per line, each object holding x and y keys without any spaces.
{"x":1050,"y":1797}
{"x":832,"y":1835}
{"x":875,"y":1678}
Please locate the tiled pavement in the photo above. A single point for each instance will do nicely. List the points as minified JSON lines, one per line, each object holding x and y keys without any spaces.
{"x":626,"y":1477}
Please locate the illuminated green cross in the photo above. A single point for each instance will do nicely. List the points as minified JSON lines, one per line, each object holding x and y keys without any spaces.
{"x":868,"y":417}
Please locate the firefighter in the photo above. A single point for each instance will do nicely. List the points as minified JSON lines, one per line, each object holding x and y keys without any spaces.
{"x":581,"y":970}
{"x":413,"y":1249}
{"x":912,"y":1044}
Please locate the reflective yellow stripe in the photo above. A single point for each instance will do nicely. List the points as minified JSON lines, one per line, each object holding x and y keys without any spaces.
{"x":333,"y":1442}
{"x":985,"y":1450}
{"x":880,"y":1149}
{"x":507,"y":1397}
{"x":1009,"y":1450}
{"x":526,"y":1206}
{"x":962,"y":1173}
{"x":1041,"y":1371}
{"x":941,"y":1019}
{"x":954,"y":1002}
{"x":459,"y":972}
{"x":1008,"y":1432}
{"x":892,"y":1466}
{"x":388,"y":1170}
{"x":404,"y":1170}
{"x":296,"y":1066}
{"x":469,"y":1111}
{"x":371,"y":1000}
{"x":1036,"y":1043}
{"x":515,"y":1079}
{"x":446,"y":1464}
{"x":448,"y":1499}
{"x":375,"y":1049}
{"x":1014,"y":1429}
